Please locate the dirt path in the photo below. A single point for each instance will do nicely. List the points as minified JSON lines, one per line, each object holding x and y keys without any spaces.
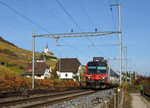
{"x":138,"y":101}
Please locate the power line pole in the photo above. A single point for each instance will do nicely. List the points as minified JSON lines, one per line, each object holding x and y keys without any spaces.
{"x":59,"y":53}
{"x":33,"y":44}
{"x":135,"y":71}
{"x":120,"y":44}
{"x":120,"y":36}
{"x":130,"y":70}
{"x":126,"y":62}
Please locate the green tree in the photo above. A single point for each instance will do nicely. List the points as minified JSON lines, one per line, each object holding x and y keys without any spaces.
{"x":133,"y":74}
{"x":76,"y":77}
{"x":55,"y":76}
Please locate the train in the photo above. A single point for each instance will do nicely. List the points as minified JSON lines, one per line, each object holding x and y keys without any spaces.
{"x":99,"y":74}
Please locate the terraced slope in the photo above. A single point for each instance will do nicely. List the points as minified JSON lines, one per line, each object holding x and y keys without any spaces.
{"x":15,"y":58}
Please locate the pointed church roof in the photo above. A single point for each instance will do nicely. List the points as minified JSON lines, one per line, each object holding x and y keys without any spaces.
{"x":47,"y":45}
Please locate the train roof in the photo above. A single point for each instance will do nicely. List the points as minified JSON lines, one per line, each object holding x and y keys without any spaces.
{"x":98,"y":61}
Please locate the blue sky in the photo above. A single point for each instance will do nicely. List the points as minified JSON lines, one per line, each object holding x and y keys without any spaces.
{"x":135,"y":28}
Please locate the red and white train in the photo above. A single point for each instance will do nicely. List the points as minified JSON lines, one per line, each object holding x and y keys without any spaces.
{"x":100,"y":75}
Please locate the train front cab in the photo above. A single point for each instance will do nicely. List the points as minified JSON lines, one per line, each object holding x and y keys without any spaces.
{"x":97,"y":75}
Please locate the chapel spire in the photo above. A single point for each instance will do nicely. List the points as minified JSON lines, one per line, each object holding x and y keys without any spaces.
{"x":47,"y":45}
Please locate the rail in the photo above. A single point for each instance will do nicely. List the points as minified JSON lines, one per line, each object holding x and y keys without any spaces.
{"x":50,"y":98}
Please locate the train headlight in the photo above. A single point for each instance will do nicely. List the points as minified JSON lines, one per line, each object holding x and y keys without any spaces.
{"x":103,"y":77}
{"x":89,"y":77}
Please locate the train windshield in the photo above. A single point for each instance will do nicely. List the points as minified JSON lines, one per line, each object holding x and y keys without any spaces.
{"x":101,"y":68}
{"x":96,"y":68}
{"x":91,"y":69}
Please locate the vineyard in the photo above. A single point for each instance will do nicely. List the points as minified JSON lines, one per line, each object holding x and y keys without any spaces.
{"x":13,"y":61}
{"x":10,"y":84}
{"x":10,"y":81}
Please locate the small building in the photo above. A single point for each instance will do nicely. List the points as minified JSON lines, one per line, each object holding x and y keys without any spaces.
{"x":40,"y":60}
{"x":47,"y":52}
{"x":41,"y":70}
{"x":68,"y":68}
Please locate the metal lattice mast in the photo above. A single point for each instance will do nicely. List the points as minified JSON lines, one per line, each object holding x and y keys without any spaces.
{"x":130,"y":69}
{"x":33,"y":45}
{"x":126,"y":62}
{"x":120,"y":36}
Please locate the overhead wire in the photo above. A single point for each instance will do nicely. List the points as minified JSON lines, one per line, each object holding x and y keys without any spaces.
{"x":69,"y":15}
{"x":74,"y":48}
{"x":61,"y":22}
{"x":32,"y":22}
{"x":112,"y":14}
{"x":88,"y":17}
{"x":117,"y":8}
{"x":123,"y":51}
{"x":50,"y":12}
{"x":86,"y":14}
{"x":25,"y":17}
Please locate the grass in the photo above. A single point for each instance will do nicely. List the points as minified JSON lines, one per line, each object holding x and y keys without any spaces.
{"x":17,"y":70}
{"x":7,"y":71}
{"x":127,"y":99}
{"x":133,"y":89}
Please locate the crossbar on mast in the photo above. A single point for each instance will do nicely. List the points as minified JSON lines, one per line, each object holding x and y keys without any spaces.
{"x":84,"y":34}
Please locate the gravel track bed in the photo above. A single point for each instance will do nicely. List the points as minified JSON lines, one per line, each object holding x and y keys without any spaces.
{"x":96,"y":100}
{"x":37,"y":98}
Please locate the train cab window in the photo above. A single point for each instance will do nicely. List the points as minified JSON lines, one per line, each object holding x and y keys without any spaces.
{"x":101,"y":70}
{"x":91,"y":70}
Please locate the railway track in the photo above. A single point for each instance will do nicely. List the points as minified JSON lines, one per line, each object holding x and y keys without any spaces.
{"x":32,"y":92}
{"x":45,"y":100}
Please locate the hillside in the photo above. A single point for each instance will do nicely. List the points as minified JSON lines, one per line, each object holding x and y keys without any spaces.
{"x":15,"y":58}
{"x":5,"y":41}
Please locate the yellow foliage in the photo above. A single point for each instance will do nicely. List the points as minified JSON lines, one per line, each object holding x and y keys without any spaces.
{"x":10,"y":83}
{"x":6,"y":71}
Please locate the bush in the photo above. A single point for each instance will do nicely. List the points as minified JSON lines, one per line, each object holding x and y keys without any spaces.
{"x":76,"y":78}
{"x":9,"y":83}
{"x":55,"y":76}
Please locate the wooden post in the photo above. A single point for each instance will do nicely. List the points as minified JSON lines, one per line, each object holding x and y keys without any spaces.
{"x":114,"y":100}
